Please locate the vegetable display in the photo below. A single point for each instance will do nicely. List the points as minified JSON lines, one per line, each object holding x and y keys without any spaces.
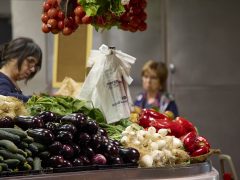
{"x":76,"y":140}
{"x":181,"y":128}
{"x":61,"y":131}
{"x":11,"y":107}
{"x":156,"y":149}
{"x":66,"y":15}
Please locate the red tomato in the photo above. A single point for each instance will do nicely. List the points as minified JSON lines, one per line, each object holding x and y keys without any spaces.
{"x":52,"y":23}
{"x":67,"y":31}
{"x":79,"y":11}
{"x":52,"y":13}
{"x":44,"y":18}
{"x":45,"y":28}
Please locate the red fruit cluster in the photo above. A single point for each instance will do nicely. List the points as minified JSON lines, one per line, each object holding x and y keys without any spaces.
{"x":133,"y":19}
{"x":55,"y":21}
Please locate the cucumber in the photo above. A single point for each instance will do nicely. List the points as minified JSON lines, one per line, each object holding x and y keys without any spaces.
{"x":12,"y":163}
{"x":28,"y":139}
{"x":1,"y":168}
{"x":22,"y":145}
{"x":29,"y":153}
{"x":19,"y":132}
{"x":44,"y":155}
{"x":9,"y":136}
{"x":39,"y":146}
{"x":30,"y":161}
{"x":9,"y":145}
{"x":33,"y":148}
{"x":1,"y":159}
{"x":27,"y":167}
{"x":20,"y":151}
{"x":9,"y":155}
{"x":4,"y":166}
{"x":37,"y":163}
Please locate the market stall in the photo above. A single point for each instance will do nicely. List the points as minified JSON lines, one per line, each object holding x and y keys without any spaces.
{"x":94,"y":132}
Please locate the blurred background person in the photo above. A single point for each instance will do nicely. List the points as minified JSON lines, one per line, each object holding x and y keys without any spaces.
{"x":20,"y":59}
{"x":154,"y":83}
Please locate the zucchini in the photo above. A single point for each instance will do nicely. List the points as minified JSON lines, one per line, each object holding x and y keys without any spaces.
{"x":12,"y":163}
{"x":9,"y":136}
{"x":28,"y":139}
{"x":22,"y":134}
{"x":9,"y":145}
{"x":4,"y":166}
{"x":9,"y":155}
{"x":1,"y":168}
{"x":37,"y":163}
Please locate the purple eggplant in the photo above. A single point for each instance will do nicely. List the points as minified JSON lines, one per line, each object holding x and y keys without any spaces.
{"x":52,"y":126}
{"x":68,"y":127}
{"x":115,"y":142}
{"x":43,"y":136}
{"x":55,"y":148}
{"x":67,"y":151}
{"x":88,"y":152}
{"x":67,"y":163}
{"x":91,"y":127}
{"x":47,"y":116}
{"x":37,"y":122}
{"x":56,"y":161}
{"x":85,"y":160}
{"x":78,"y":162}
{"x":77,"y":119}
{"x":99,"y":159}
{"x":112,"y":150}
{"x":96,"y":141}
{"x":77,"y":149}
{"x":64,"y":137}
{"x":129,"y":155}
{"x":6,"y":122}
{"x":102,"y":132}
{"x":84,"y":139}
{"x":115,"y":160}
{"x":24,"y":122}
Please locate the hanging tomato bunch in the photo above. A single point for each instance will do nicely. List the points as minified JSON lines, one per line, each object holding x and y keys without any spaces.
{"x":66,"y":15}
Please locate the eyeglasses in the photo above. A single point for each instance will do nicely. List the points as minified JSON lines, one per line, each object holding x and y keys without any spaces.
{"x":31,"y":63}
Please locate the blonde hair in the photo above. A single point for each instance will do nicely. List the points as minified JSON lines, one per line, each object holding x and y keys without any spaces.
{"x":160,"y":69}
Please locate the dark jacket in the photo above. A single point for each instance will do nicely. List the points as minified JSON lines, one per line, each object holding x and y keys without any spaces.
{"x":7,"y":88}
{"x":165,"y":103}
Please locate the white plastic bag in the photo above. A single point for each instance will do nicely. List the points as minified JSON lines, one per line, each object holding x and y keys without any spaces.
{"x":107,"y":83}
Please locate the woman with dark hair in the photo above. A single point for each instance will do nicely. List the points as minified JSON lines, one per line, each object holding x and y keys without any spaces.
{"x":20,"y":59}
{"x":154,"y":82}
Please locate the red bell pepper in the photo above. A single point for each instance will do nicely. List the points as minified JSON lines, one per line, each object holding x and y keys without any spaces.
{"x":189,"y":141}
{"x":201,"y":142}
{"x":187,"y":125}
{"x":154,"y":114}
{"x":194,"y":144}
{"x":200,"y":151}
{"x":177,"y":129}
{"x":149,"y":115}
